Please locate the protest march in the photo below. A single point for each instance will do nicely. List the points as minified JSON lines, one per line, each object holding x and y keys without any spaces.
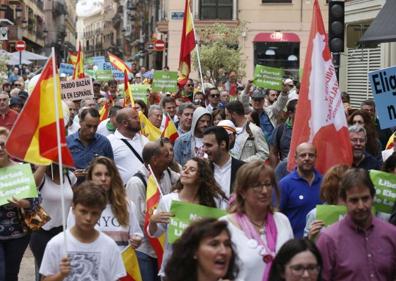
{"x":110,"y":171}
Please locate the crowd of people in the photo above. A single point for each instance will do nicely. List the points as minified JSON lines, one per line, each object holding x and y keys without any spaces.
{"x":231,"y":153}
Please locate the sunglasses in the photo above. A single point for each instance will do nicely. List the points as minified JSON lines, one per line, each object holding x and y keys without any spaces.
{"x":190,"y":85}
{"x":215,"y":95}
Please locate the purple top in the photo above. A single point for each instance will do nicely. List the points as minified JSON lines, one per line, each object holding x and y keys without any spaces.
{"x":350,"y":253}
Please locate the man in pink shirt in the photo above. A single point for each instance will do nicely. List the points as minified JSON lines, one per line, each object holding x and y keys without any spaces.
{"x":360,"y":246}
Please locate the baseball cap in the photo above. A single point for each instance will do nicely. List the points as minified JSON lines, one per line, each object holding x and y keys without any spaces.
{"x":258,"y":94}
{"x":228,"y":126}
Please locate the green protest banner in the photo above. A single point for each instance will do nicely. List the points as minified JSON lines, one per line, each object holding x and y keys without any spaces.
{"x":385,"y":186}
{"x":330,"y":214}
{"x":165,"y":81}
{"x":104,"y":75}
{"x":268,"y":77}
{"x":16,"y":181}
{"x":185,"y":213}
{"x":140,"y":91}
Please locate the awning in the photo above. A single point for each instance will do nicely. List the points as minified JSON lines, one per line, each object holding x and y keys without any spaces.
{"x":383,"y":28}
{"x":276,"y":37}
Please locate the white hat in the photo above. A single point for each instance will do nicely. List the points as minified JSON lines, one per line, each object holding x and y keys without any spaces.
{"x":289,"y":81}
{"x":228,"y":126}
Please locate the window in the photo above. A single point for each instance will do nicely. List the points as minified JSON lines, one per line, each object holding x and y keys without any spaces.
{"x":215,"y":9}
{"x":276,"y":1}
{"x":285,"y":55}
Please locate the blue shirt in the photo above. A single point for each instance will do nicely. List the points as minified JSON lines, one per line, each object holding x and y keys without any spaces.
{"x":82,"y":155}
{"x":298,"y":198}
{"x":266,"y":125}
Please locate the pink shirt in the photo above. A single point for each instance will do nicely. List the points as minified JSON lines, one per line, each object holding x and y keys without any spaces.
{"x":350,"y":253}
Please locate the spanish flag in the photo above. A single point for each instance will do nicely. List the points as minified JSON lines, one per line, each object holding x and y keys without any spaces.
{"x":33,"y":137}
{"x":131,"y":265}
{"x":170,"y":130}
{"x":148,"y":129}
{"x":104,"y":111}
{"x":72,"y":57}
{"x":118,"y":63}
{"x":389,"y":144}
{"x":153,"y":195}
{"x":128,"y":98}
{"x":187,"y":46}
{"x":79,"y":66}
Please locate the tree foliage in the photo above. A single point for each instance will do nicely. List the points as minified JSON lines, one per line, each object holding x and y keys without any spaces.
{"x":219,"y":50}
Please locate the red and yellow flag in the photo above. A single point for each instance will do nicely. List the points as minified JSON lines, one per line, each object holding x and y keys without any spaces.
{"x":33,"y":137}
{"x":187,"y":46}
{"x":153,"y":195}
{"x":79,"y":66}
{"x":131,"y":265}
{"x":118,"y":63}
{"x":72,"y":57}
{"x":170,"y":130}
{"x":148,"y":129}
{"x":128,"y":98}
{"x":104,"y":111}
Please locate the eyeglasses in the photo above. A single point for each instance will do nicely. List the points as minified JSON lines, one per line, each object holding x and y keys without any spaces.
{"x":299,"y":269}
{"x":215,"y":95}
{"x":259,"y":186}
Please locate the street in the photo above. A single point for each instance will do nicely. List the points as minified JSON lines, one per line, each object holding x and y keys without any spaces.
{"x":26,"y":272}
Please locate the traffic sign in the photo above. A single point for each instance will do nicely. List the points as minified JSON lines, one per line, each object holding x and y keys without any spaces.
{"x":159,"y":45}
{"x":3,"y":33}
{"x":20,"y":46}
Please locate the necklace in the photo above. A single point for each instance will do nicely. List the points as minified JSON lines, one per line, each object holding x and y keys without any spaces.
{"x":260,"y":226}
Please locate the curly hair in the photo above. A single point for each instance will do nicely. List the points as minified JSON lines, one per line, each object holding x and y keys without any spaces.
{"x":182,"y":266}
{"x":208,"y":187}
{"x":372,"y":145}
{"x":331,"y":184}
{"x":246,"y":177}
{"x":116,"y":195}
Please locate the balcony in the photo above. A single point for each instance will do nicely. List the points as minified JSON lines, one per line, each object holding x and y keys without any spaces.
{"x":59,"y":8}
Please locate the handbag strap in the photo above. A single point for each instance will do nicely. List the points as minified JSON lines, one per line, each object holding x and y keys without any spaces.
{"x":133,"y":150}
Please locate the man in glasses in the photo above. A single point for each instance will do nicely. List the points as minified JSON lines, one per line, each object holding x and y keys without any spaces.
{"x":188,"y":90}
{"x":213,"y":99}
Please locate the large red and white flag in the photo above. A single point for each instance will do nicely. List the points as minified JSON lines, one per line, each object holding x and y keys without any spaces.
{"x":320,"y":117}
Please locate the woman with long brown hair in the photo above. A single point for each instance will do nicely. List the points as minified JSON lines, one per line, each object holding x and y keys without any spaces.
{"x":196,"y":185}
{"x":118,"y":219}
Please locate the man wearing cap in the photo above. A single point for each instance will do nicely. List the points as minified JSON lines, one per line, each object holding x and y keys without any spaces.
{"x":230,"y":129}
{"x":224,"y":167}
{"x":269,"y":115}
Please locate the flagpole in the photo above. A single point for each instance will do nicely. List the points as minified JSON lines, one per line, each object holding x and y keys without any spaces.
{"x":197,"y":51}
{"x":58,"y":140}
{"x":155,"y":179}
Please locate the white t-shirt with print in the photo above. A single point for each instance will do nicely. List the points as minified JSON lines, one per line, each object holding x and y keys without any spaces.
{"x":99,"y":260}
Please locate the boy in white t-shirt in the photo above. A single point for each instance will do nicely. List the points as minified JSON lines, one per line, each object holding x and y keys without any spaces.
{"x":91,"y":255}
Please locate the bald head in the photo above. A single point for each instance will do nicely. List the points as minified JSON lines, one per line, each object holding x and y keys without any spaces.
{"x":128,"y":122}
{"x":305,"y":157}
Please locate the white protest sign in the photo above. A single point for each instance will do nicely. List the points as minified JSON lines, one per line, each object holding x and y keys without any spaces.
{"x":77,"y":89}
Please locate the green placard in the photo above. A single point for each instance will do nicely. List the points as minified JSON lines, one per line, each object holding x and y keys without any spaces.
{"x":104,"y":75}
{"x":140,"y":91}
{"x":385,"y":186}
{"x":185,"y":213}
{"x":16,"y":181}
{"x":165,"y":81}
{"x":268,"y":77}
{"x":330,"y":214}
